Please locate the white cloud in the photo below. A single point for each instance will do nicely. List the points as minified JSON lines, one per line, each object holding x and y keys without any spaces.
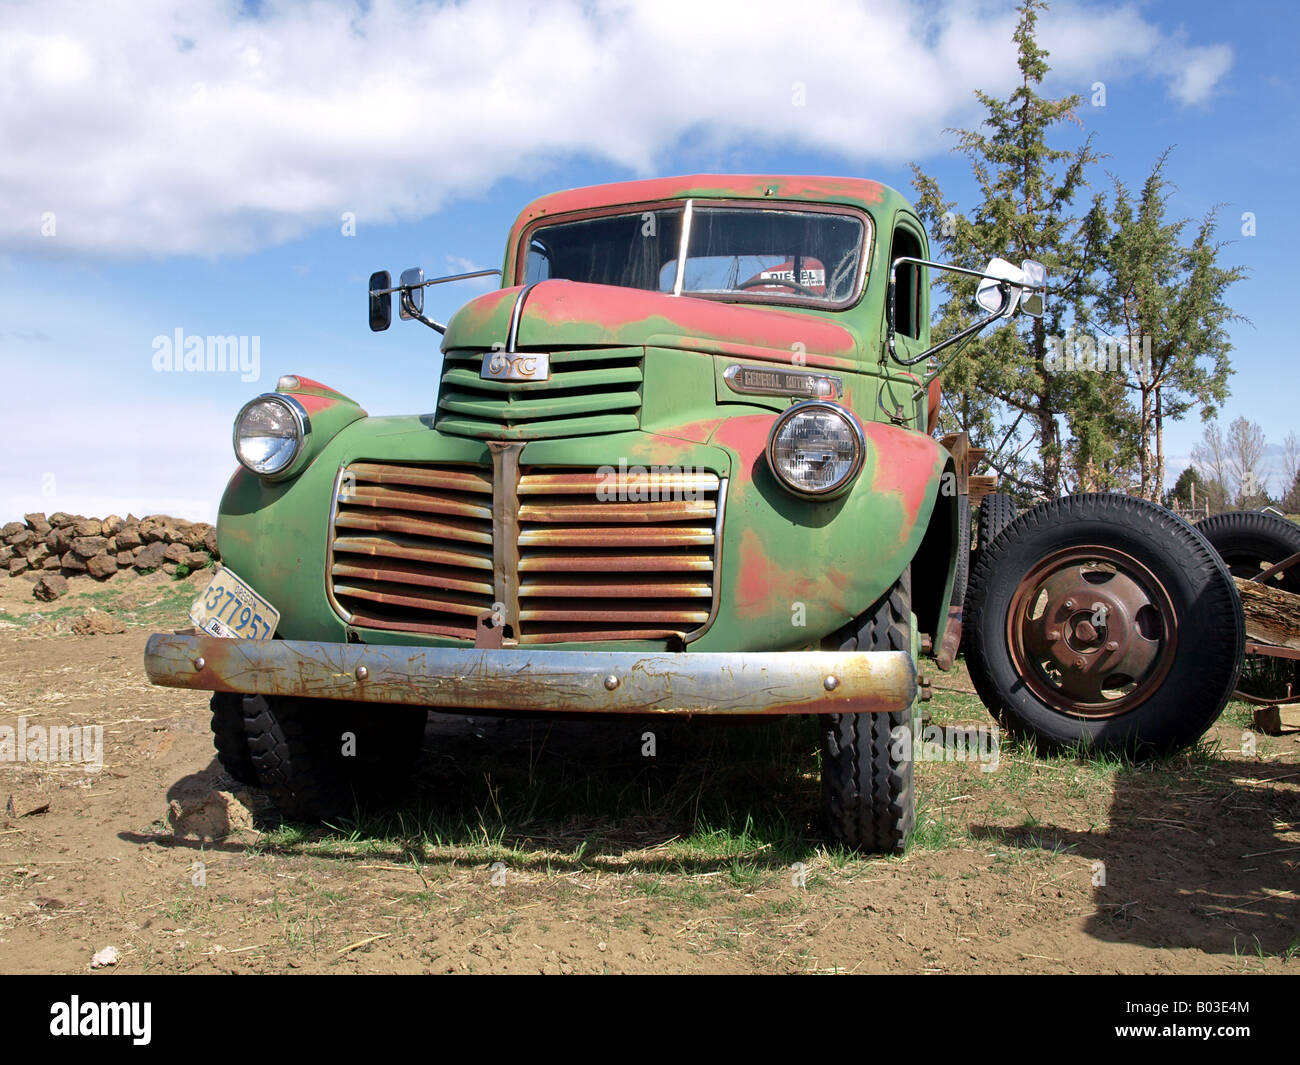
{"x":157,"y":127}
{"x":1197,"y":71}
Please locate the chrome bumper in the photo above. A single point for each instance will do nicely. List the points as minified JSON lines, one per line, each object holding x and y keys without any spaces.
{"x":524,"y":679}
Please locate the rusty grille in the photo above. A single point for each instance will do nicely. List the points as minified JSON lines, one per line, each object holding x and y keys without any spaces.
{"x":616,"y":556}
{"x":412,"y":547}
{"x":600,"y":554}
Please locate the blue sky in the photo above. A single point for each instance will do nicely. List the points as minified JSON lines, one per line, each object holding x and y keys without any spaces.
{"x":191,"y":166}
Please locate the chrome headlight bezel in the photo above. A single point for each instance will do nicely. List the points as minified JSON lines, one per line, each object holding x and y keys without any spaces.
{"x":302,"y":425}
{"x":857,"y":435}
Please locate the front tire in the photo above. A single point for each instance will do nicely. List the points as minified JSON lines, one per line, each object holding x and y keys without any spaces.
{"x":868,"y":797}
{"x":318,"y":758}
{"x":229,"y":739}
{"x":1106,"y":622}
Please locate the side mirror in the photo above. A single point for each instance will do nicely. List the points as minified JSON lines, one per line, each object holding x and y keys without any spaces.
{"x":381,"y":301}
{"x":1003,"y":287}
{"x":989,"y":294}
{"x":411,"y":304}
{"x":1031,"y":300}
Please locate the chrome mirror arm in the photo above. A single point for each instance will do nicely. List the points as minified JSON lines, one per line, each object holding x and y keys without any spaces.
{"x":891,"y":297}
{"x":408,"y":305}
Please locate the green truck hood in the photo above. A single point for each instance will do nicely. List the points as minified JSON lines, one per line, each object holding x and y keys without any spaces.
{"x":568,"y":314}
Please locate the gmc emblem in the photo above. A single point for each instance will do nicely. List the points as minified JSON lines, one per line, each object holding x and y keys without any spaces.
{"x":515,"y":366}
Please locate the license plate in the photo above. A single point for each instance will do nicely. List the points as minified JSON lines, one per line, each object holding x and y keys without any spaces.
{"x":229,"y":607}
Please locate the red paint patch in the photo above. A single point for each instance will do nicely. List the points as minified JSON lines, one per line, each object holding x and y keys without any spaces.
{"x":314,"y":404}
{"x":755,"y":576}
{"x":905,"y":463}
{"x":747,"y":436}
{"x":711,"y":186}
{"x":315,"y":386}
{"x":628,"y":315}
{"x":479,"y":312}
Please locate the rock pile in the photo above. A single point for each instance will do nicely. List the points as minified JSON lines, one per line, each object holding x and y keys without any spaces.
{"x":64,"y":545}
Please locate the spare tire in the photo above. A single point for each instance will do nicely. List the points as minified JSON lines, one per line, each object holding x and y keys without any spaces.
{"x":1249,"y":541}
{"x":997,"y":511}
{"x":1104,"y":622}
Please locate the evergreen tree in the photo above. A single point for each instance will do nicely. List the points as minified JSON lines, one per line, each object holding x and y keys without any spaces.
{"x":1164,"y":304}
{"x":1045,"y":431}
{"x":1188,"y":491}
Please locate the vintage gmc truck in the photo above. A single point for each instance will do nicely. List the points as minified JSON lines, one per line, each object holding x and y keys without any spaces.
{"x":680,"y":462}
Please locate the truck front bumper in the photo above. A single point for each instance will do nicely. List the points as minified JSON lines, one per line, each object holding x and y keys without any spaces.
{"x":527,"y":680}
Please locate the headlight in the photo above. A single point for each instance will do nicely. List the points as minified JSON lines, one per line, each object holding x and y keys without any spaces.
{"x":269,"y":433}
{"x":816,"y":449}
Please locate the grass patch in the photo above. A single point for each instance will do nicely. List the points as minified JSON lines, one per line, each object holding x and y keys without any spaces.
{"x":139,"y":602}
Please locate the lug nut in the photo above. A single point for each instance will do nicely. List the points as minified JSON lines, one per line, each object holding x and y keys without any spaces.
{"x":1078,"y":663}
{"x":1069,"y":604}
{"x":1054,"y":635}
{"x":1113,"y":645}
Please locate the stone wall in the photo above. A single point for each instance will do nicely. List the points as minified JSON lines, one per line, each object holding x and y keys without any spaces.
{"x":69,"y":545}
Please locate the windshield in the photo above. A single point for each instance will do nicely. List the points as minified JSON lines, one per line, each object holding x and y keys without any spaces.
{"x":750,"y":253}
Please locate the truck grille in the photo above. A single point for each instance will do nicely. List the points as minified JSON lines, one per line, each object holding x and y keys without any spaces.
{"x":412,"y":547}
{"x":596,"y":391}
{"x":636,"y":564}
{"x":593,"y":555}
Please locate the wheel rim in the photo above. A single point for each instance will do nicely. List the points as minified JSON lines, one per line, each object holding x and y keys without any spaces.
{"x":1092,"y":631}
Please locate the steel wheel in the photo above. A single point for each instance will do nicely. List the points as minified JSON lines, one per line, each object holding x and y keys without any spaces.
{"x":1092,"y":631}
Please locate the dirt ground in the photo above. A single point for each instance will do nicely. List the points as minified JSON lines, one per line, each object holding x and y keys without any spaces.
{"x":529,"y":846}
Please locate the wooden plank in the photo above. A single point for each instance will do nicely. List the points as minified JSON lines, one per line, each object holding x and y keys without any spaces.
{"x":958,"y":445}
{"x":981,"y":485}
{"x":1272,"y":614}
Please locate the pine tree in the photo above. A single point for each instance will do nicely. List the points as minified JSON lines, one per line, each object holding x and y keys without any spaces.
{"x":1043,"y":429}
{"x":1164,"y":304}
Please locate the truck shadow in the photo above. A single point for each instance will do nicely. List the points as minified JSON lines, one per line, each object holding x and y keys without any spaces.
{"x":1198,"y":854}
{"x":566,"y":794}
